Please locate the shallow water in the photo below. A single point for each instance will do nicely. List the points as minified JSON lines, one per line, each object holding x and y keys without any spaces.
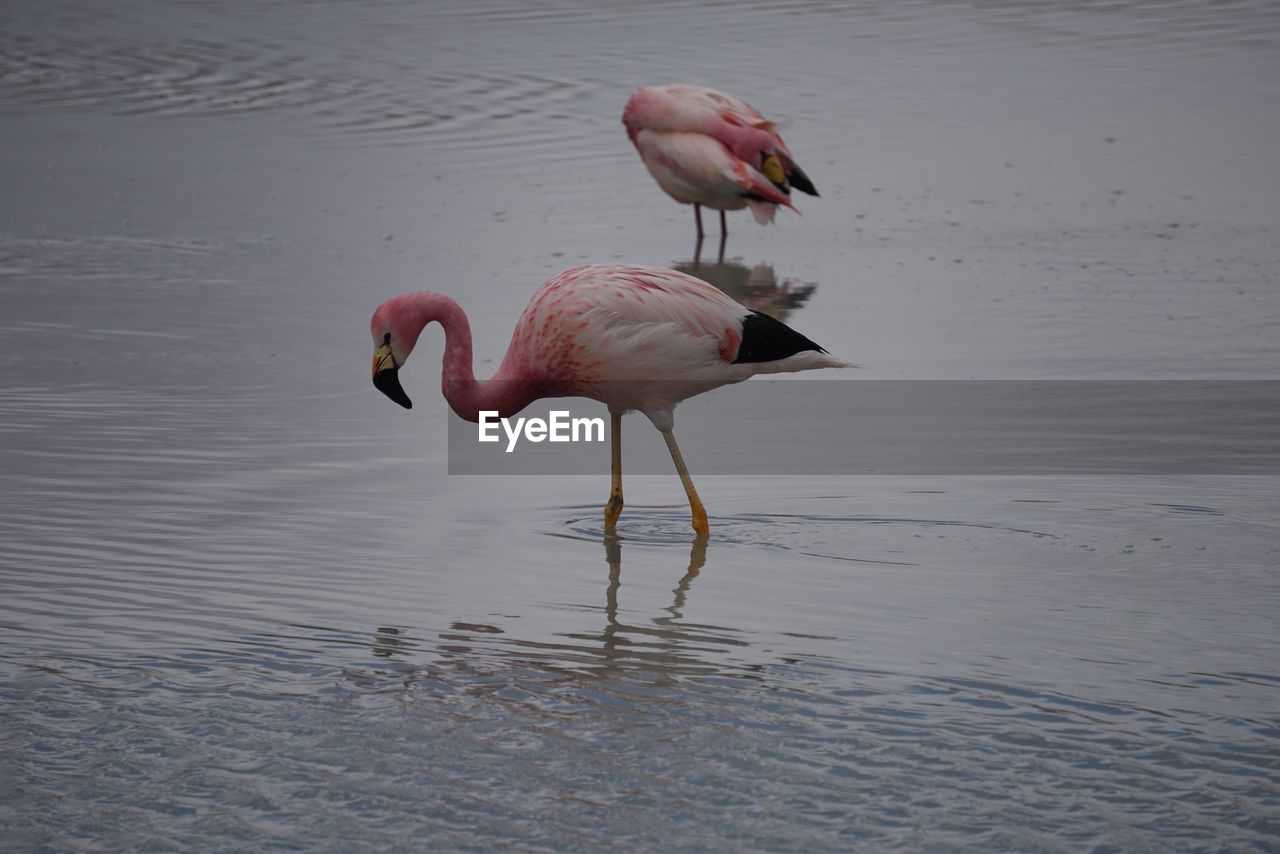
{"x":243,"y":606}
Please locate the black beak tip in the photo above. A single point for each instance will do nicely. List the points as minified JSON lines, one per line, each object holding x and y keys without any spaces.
{"x":388,"y":383}
{"x":801,"y":182}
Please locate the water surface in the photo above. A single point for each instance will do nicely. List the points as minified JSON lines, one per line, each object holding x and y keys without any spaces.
{"x":242,"y":605}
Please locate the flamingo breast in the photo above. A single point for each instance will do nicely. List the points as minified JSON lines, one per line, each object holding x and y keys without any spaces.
{"x":694,"y":169}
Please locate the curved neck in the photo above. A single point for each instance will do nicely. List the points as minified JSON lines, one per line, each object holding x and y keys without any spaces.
{"x":466,"y":395}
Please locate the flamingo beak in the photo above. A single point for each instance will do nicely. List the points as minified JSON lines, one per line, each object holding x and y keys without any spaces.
{"x":385,"y":377}
{"x":772,"y":168}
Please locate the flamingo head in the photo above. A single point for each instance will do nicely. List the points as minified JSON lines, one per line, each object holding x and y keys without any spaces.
{"x":394,"y":334}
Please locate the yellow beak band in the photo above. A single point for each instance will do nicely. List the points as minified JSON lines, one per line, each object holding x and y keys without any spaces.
{"x":772,"y":168}
{"x":382,"y":358}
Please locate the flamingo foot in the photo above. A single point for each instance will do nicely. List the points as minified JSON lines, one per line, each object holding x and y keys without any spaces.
{"x":700,"y":525}
{"x":612,"y":511}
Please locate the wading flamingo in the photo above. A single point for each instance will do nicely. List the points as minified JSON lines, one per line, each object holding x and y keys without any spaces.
{"x":704,"y":147}
{"x":633,"y":338}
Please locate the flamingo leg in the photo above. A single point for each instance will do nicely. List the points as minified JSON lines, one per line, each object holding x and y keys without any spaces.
{"x":724,"y":235}
{"x":697,"y":218}
{"x":695,"y":503}
{"x":613,"y":509}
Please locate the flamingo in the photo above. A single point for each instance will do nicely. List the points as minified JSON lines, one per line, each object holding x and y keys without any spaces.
{"x":705,"y":147}
{"x":633,"y":338}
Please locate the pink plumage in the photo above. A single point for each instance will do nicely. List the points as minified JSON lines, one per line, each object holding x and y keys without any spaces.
{"x":633,"y":338}
{"x":705,"y":147}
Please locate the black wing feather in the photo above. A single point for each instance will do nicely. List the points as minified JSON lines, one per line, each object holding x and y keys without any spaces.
{"x":767,"y":340}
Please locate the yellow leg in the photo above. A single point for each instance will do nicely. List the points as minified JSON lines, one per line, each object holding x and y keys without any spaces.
{"x":613,"y":509}
{"x":695,"y":503}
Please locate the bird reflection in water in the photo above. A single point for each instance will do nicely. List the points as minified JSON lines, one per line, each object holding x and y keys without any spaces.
{"x":616,"y":632}
{"x":389,"y":641}
{"x":755,"y":287}
{"x":658,"y":650}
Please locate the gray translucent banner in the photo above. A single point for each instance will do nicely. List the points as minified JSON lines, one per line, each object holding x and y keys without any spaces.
{"x":945,"y":427}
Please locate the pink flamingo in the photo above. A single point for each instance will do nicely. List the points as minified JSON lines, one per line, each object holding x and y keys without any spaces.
{"x":704,"y":147}
{"x":633,"y":338}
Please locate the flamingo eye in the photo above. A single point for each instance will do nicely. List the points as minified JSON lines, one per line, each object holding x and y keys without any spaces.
{"x":386,"y":339}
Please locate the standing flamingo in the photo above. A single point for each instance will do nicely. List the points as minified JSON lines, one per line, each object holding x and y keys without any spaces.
{"x":704,"y":147}
{"x":633,"y":338}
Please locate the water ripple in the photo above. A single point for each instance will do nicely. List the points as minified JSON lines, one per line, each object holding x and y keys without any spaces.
{"x":819,"y":751}
{"x":244,"y":608}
